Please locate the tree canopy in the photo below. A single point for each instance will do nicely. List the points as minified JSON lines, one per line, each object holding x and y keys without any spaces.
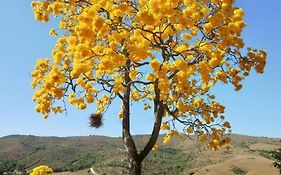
{"x":164,"y":54}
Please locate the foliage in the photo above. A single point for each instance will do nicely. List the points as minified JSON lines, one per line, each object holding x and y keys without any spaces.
{"x":82,"y":162}
{"x":117,"y":163}
{"x":276,"y":155}
{"x":239,"y":171}
{"x":7,"y":166}
{"x":10,"y":166}
{"x":180,"y":48}
{"x":175,"y":161}
{"x":264,"y":153}
{"x":243,"y":145}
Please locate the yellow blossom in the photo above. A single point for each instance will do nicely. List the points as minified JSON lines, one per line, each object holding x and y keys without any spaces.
{"x":41,"y":170}
{"x":155,"y":65}
{"x":53,"y":32}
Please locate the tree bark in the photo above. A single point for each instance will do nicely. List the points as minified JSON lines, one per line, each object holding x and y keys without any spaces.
{"x":159,"y":111}
{"x":133,"y":157}
{"x":135,"y":167}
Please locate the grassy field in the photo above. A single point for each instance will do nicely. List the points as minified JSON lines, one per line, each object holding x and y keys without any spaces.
{"x":106,"y":155}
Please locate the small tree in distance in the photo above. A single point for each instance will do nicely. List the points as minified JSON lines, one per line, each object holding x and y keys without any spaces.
{"x":163,"y":54}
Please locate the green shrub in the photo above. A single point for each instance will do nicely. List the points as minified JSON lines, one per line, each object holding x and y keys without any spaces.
{"x":166,"y":160}
{"x":239,"y":171}
{"x":276,"y":155}
{"x":82,"y":162}
{"x":116,"y":163}
{"x":10,"y":166}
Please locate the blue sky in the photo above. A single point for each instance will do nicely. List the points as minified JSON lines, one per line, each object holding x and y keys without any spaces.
{"x":255,"y":110}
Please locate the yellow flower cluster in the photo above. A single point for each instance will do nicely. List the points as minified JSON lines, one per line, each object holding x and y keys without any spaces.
{"x":52,"y":32}
{"x":155,"y":65}
{"x":41,"y":170}
{"x":155,"y":148}
{"x":257,"y":60}
{"x":214,"y":138}
{"x":50,"y":86}
{"x":165,"y":126}
{"x":169,"y":135}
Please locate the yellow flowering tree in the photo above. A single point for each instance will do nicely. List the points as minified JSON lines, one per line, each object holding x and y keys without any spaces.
{"x":164,"y":54}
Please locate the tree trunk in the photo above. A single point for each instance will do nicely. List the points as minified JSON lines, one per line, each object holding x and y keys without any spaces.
{"x":159,"y":111}
{"x":134,"y":158}
{"x":134,"y":167}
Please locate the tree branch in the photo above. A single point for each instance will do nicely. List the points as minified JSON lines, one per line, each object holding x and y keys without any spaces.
{"x":159,"y":112}
{"x":126,"y":135}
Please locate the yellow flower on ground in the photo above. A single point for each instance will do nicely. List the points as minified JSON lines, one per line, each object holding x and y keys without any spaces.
{"x":42,"y":170}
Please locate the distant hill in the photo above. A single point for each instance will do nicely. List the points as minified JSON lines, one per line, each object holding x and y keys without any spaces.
{"x":107,"y":155}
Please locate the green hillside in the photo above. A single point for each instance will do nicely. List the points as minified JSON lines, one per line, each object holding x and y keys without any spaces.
{"x":106,"y":154}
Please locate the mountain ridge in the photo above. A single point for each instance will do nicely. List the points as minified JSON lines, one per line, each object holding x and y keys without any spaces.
{"x":108,"y":154}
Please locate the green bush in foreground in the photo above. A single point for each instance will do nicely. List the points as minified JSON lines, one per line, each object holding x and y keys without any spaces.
{"x":276,"y":155}
{"x":10,"y":166}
